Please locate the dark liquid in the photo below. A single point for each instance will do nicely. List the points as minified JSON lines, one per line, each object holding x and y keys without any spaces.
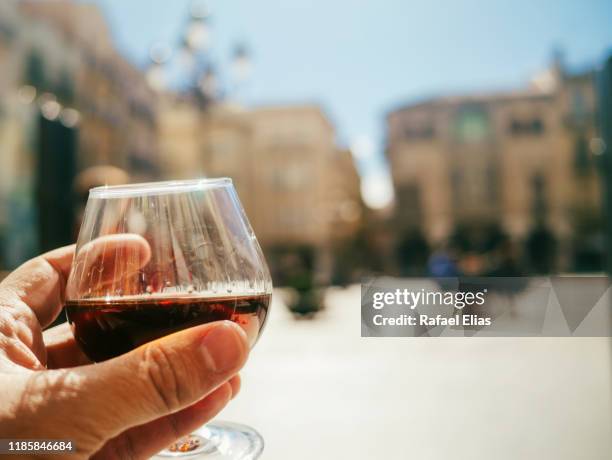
{"x":105,"y":329}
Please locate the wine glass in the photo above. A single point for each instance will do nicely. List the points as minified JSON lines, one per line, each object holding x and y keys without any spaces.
{"x":155,"y":258}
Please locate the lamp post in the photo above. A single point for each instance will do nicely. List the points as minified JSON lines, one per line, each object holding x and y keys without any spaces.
{"x":199,"y":73}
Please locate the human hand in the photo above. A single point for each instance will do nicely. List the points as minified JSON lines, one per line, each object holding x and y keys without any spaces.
{"x":128,"y":407}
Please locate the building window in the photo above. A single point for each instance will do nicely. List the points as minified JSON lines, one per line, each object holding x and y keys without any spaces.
{"x":7,"y":32}
{"x":492,"y":181}
{"x":35,"y":71}
{"x":472,"y":125}
{"x":528,"y":127}
{"x":456,"y":180}
{"x":419,"y":132}
{"x":409,"y":204}
{"x":537,"y":127}
{"x":582,"y":160}
{"x":579,"y":104}
{"x":539,"y":208}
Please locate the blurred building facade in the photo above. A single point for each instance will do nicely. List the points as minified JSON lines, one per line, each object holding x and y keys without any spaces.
{"x":117,"y":107}
{"x":300,"y":191}
{"x":474,"y":169}
{"x":74,"y":113}
{"x":69,"y":101}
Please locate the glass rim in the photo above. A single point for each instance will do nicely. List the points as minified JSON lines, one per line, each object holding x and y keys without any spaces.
{"x":157,"y":188}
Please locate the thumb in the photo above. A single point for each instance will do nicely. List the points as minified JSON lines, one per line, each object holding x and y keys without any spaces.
{"x":163,"y":376}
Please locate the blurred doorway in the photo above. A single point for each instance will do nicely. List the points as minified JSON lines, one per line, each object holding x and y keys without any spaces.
{"x":56,"y":155}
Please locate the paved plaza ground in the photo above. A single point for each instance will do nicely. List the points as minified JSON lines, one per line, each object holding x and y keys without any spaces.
{"x":316,"y":390}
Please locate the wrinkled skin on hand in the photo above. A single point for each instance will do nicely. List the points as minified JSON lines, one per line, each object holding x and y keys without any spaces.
{"x":129,"y":407}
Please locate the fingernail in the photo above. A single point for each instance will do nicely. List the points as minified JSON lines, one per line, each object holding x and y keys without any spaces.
{"x":224,"y":347}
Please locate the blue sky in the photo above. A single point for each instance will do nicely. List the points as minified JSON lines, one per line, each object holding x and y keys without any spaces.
{"x":360,"y":58}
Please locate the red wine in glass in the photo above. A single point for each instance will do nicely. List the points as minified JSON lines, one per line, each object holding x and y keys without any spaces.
{"x":108,"y":328}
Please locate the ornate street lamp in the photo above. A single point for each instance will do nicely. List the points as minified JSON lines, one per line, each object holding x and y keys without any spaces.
{"x":241,"y":65}
{"x":195,"y":62}
{"x":197,"y":35}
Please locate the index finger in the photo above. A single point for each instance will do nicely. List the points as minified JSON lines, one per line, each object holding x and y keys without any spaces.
{"x":40,"y":283}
